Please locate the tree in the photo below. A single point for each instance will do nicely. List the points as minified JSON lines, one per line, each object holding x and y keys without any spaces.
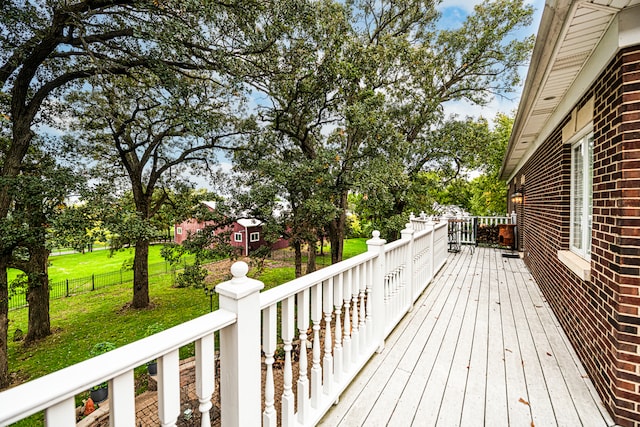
{"x":40,"y":190}
{"x":152,"y":127}
{"x":488,"y":192}
{"x":458,"y":150}
{"x":48,"y":46}
{"x":376,"y":86}
{"x":72,"y":228}
{"x":285,"y":191}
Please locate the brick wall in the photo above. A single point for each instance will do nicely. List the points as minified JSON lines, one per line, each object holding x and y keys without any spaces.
{"x":602,"y":316}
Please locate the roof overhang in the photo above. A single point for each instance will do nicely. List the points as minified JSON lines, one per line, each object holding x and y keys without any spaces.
{"x":249,"y":222}
{"x":576,"y":40}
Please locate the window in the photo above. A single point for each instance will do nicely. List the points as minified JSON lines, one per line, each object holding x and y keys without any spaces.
{"x":179,"y":230}
{"x":237,"y":237}
{"x":254,"y":237}
{"x":581,"y":195}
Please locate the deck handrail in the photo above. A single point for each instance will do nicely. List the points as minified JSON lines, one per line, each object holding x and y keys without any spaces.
{"x":350,"y":307}
{"x":466,"y":227}
{"x":55,"y":392}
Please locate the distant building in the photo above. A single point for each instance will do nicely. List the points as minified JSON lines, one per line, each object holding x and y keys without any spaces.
{"x":245,"y":233}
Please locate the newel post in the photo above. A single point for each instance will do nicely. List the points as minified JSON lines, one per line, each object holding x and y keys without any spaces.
{"x":376,"y":244}
{"x":240,"y":375}
{"x":407,"y":234}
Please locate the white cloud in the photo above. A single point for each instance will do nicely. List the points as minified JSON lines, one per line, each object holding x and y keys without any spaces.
{"x":466,"y":5}
{"x":464,"y":108}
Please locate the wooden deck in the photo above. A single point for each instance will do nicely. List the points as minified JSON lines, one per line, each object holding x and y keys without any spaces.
{"x":481,"y":347}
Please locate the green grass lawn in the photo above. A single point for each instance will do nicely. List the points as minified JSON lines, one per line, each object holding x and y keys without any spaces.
{"x":80,"y":321}
{"x":276,"y":276}
{"x":98,"y":262}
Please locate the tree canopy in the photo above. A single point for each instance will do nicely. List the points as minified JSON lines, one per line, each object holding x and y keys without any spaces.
{"x":353,"y":99}
{"x":317,"y":99}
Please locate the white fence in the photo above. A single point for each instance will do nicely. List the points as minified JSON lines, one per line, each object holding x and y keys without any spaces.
{"x":349,"y":307}
{"x":462,"y":229}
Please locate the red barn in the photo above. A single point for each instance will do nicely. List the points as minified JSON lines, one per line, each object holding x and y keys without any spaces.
{"x":246,"y":233}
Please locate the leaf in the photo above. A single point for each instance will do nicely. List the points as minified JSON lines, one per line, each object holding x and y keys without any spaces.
{"x":521,"y":400}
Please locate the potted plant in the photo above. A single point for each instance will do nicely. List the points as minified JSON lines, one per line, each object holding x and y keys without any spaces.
{"x":101,"y":391}
{"x":154,"y":328}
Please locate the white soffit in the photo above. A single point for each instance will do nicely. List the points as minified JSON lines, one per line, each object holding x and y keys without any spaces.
{"x":584,"y":26}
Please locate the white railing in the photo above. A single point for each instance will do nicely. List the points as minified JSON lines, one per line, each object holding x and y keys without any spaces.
{"x":349,"y":307}
{"x":463,"y":228}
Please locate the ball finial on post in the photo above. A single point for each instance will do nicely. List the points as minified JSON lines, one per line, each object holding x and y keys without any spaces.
{"x":239,"y":269}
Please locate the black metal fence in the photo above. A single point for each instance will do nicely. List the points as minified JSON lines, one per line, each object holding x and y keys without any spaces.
{"x":69,"y":287}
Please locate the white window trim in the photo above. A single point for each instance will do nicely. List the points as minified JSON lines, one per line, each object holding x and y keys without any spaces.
{"x":237,"y":237}
{"x":254,"y":237}
{"x":580,"y":266}
{"x":178,"y":230}
{"x":587,"y":188}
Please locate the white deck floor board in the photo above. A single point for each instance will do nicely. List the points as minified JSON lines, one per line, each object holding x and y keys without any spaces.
{"x":519,"y":411}
{"x":480,"y":348}
{"x":496,"y":411}
{"x":475,"y":394}
{"x":538,"y":394}
{"x":432,"y":331}
{"x":451,"y":406}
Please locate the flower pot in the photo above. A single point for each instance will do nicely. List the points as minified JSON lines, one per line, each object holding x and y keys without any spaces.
{"x":99,"y":394}
{"x":152,"y":368}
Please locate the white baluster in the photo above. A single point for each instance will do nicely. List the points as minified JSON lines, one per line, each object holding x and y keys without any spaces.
{"x":362,"y":328}
{"x":327,"y":306}
{"x":387,"y":301}
{"x":269,"y":338}
{"x":205,"y":377}
{"x":303,"y":381}
{"x":409,"y":257}
{"x":61,"y":414}
{"x":316,"y":369}
{"x":169,"y":388}
{"x":337,"y":349}
{"x":369,"y":286}
{"x":347,"y":321}
{"x":287,"y":338}
{"x":122,"y":400}
{"x":355,"y":315}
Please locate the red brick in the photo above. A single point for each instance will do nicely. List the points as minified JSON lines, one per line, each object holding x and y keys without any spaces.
{"x":600,"y":317}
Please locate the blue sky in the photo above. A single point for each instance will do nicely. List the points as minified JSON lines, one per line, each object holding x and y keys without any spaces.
{"x":453,"y":13}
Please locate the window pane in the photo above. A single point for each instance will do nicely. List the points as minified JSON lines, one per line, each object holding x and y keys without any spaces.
{"x":577,"y":187}
{"x":581,"y":196}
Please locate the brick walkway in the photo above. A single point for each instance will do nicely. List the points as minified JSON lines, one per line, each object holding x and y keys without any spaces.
{"x":147,"y":404}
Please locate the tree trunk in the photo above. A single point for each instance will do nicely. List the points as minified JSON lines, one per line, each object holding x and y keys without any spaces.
{"x":337,"y":230}
{"x":12,"y":161}
{"x":311,"y":257}
{"x":141,"y":275}
{"x":4,"y":322}
{"x":38,"y":294}
{"x":298,"y":258}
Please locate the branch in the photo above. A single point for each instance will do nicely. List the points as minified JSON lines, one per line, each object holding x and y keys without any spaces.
{"x":98,"y":38}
